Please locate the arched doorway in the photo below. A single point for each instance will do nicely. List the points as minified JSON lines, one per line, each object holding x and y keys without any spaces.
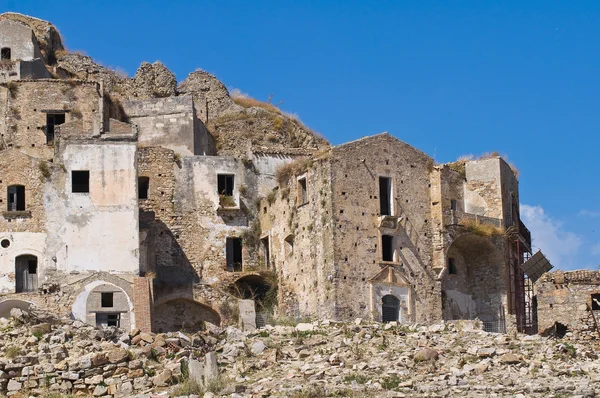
{"x":261,"y":289}
{"x":183,"y":314}
{"x":26,"y":267}
{"x":390,"y":308}
{"x":474,"y":286}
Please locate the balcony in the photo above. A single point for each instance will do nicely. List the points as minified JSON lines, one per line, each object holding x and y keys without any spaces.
{"x":14,"y":214}
{"x":524,"y":235}
{"x":469,"y":218}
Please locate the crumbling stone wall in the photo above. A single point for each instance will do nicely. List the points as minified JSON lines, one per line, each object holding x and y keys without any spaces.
{"x":566,"y":297}
{"x":28,"y":103}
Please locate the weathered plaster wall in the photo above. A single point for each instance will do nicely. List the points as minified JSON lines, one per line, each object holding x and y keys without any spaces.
{"x":20,"y":39}
{"x":169,"y":122}
{"x":565,"y":297}
{"x":483,"y":190}
{"x":97,"y":230}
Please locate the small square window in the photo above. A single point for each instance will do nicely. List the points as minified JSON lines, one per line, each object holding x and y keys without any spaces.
{"x":225,"y":184}
{"x":107,"y":300}
{"x":80,"y":181}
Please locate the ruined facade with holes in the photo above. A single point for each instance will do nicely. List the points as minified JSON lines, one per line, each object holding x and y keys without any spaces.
{"x":135,"y":202}
{"x":569,"y":299}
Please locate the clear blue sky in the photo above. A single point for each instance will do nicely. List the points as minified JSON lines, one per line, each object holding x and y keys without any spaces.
{"x":449,"y":77}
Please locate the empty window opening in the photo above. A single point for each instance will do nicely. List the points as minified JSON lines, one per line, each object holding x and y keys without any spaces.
{"x":106,"y":299}
{"x":225,"y":184}
{"x":302,"y":196}
{"x":289,"y":245}
{"x":390,"y":308}
{"x":143,"y":187}
{"x":80,"y":181}
{"x":451,"y":266}
{"x":16,"y":198}
{"x":5,"y":54}
{"x":5,"y":243}
{"x":104,"y":319}
{"x":385,"y":196}
{"x":387,"y":247}
{"x":234,"y":254}
{"x":596,"y":302}
{"x":26,"y":273}
{"x":264,"y":242}
{"x":453,"y":204}
{"x":52,"y":120}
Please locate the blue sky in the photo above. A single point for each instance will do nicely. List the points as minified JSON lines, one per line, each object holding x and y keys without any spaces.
{"x":450,"y":78}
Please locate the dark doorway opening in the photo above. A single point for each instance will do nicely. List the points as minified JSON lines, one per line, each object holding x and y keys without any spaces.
{"x":390,"y":308}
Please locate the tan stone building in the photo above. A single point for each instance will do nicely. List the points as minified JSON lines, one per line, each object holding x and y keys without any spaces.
{"x":139,"y":203}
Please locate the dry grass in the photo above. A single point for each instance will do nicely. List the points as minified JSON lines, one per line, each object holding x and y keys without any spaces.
{"x":483,"y":230}
{"x":295,"y":168}
{"x":248,"y":102}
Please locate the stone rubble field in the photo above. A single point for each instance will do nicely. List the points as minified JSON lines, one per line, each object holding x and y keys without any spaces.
{"x":43,"y":356}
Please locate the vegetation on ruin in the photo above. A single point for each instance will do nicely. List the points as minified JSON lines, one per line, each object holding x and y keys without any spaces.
{"x":481,"y":229}
{"x":293,"y":169}
{"x":248,"y":102}
{"x":459,"y":165}
{"x":226,"y":201}
{"x":44,"y":169}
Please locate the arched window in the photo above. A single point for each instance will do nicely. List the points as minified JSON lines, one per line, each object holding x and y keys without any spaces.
{"x":16,"y":198}
{"x":5,"y":54}
{"x":390,"y":308}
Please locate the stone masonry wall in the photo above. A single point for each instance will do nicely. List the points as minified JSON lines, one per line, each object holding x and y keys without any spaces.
{"x":565,"y":297}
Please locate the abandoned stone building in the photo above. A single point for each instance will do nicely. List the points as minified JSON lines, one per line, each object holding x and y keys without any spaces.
{"x":569,"y":301}
{"x":146,"y":204}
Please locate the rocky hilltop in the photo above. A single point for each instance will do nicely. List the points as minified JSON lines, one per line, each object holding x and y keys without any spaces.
{"x":45,"y":356}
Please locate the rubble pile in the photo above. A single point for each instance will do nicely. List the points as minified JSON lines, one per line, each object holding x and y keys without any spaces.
{"x":318,"y":359}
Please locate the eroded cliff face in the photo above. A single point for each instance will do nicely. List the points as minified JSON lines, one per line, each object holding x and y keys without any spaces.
{"x":238,"y":124}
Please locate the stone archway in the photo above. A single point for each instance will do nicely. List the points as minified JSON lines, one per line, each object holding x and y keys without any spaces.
{"x":474,"y":283}
{"x":183,"y":314}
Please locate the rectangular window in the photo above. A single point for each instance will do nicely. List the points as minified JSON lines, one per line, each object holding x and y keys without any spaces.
{"x":264,"y":242}
{"x":104,"y":319}
{"x":387,"y":247}
{"x":453,"y":204}
{"x":451,"y":266}
{"x":234,"y":254}
{"x":302,"y":196}
{"x":385,"y":196}
{"x":225,"y":184}
{"x":16,"y":198}
{"x":80,"y":181}
{"x":107,"y":299}
{"x":596,"y":302}
{"x":143,"y":187}
{"x":52,"y":120}
{"x":32,"y":266}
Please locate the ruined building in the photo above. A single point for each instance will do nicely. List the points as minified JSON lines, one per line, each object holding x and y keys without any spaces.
{"x":142,"y":203}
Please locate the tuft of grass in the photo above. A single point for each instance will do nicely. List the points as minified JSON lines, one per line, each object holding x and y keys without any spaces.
{"x":227,"y":201}
{"x":310,"y":392}
{"x":295,"y":168}
{"x":248,"y":102}
{"x":12,"y":351}
{"x":483,"y":230}
{"x":188,"y":387}
{"x":44,"y":169}
{"x":357,"y":377}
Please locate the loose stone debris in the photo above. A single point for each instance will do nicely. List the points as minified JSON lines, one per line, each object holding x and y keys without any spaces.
{"x":45,"y":356}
